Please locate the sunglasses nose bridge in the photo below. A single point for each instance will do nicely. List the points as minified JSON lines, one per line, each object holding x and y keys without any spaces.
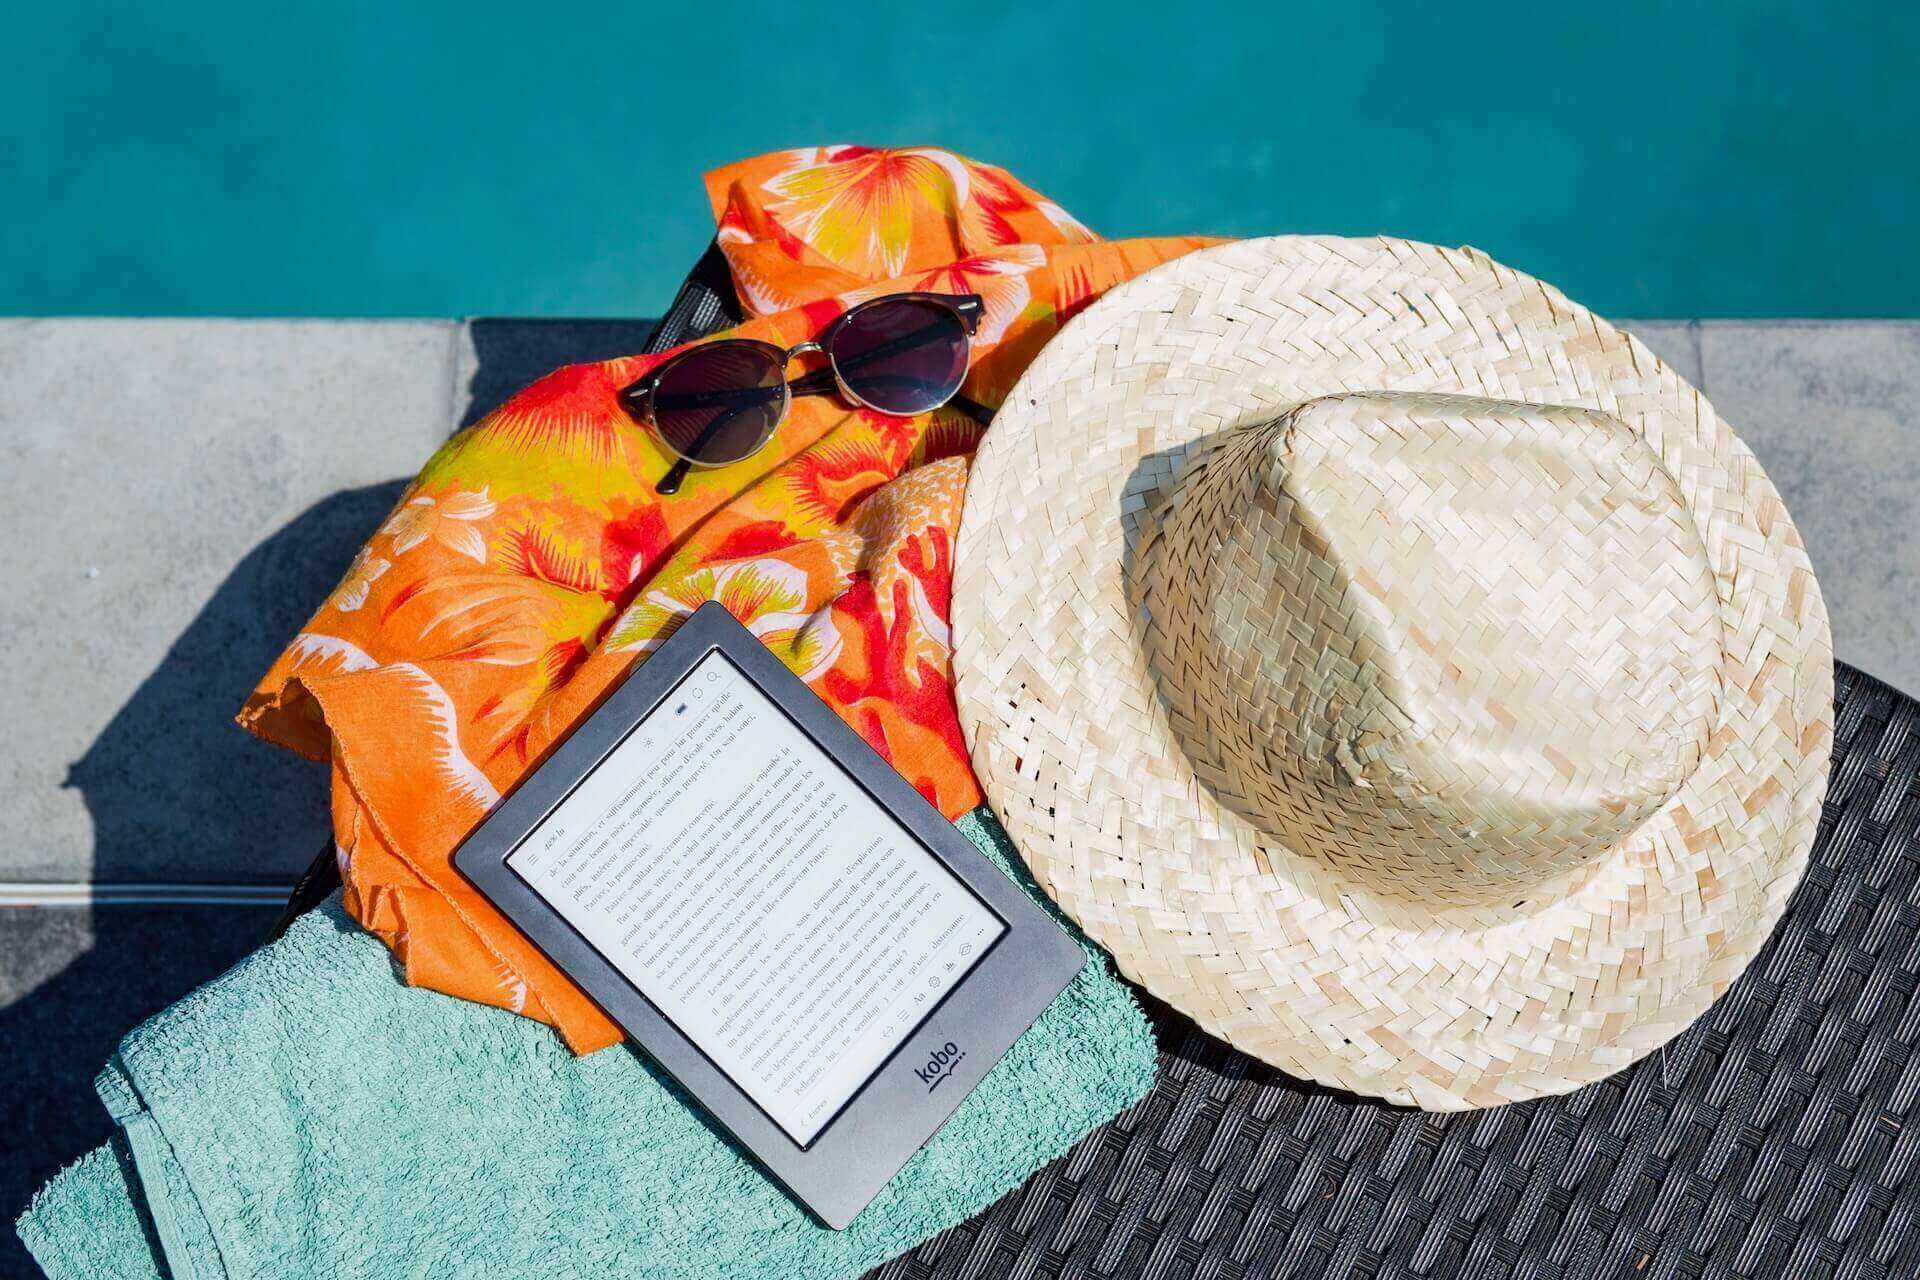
{"x":803,"y":349}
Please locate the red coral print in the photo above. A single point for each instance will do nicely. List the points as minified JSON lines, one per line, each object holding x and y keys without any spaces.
{"x":756,"y":539}
{"x":933,"y":569}
{"x":894,"y":435}
{"x":829,"y":480}
{"x":915,"y":690}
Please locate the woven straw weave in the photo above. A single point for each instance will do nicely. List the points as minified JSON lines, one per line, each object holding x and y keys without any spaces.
{"x":1310,"y":635}
{"x":1779,"y":1136}
{"x":1492,"y":826}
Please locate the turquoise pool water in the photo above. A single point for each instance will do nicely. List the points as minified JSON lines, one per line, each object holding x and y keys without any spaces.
{"x":387,"y":159}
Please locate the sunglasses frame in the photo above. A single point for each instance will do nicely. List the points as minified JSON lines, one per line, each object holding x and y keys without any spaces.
{"x":637,"y":397}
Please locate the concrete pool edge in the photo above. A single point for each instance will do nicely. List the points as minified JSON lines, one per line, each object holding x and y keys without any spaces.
{"x":182,"y":492}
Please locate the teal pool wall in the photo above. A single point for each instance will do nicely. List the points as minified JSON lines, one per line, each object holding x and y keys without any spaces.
{"x":1706,"y":159}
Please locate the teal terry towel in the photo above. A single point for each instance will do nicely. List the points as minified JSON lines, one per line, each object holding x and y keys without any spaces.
{"x":308,"y":1115}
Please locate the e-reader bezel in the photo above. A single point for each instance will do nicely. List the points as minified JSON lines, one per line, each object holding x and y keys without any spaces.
{"x":893,"y":1113}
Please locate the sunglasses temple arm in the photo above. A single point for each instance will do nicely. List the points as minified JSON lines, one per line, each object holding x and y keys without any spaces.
{"x":973,"y":409}
{"x":670,"y":483}
{"x":735,"y":397}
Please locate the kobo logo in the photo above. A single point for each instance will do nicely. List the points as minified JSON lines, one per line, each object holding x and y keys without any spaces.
{"x":940,"y":1065}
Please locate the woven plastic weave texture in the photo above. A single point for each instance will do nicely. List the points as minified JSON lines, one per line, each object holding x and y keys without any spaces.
{"x":1778,"y":1137}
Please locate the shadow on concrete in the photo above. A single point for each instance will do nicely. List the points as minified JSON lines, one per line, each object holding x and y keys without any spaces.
{"x":509,"y":354}
{"x":170,"y":771}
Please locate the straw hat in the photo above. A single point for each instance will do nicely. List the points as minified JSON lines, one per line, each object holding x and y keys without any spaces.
{"x":1397,"y":667}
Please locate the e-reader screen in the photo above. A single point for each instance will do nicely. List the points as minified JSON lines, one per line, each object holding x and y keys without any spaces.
{"x":744,"y":883}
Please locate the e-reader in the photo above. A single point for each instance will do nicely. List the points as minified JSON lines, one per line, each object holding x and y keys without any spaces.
{"x":775,"y":917}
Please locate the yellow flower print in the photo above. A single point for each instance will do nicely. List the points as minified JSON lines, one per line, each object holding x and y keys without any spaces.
{"x":768,"y":596}
{"x":449,"y":522}
{"x":856,"y":206}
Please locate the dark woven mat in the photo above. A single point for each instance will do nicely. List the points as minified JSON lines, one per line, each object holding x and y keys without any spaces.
{"x":1778,"y":1137}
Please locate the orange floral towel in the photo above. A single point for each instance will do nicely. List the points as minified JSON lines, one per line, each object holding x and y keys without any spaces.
{"x":531,"y":563}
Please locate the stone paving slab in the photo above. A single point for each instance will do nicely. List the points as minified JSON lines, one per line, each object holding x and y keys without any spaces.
{"x":261,"y":455}
{"x":152,"y":584}
{"x":176,"y":496}
{"x":1833,"y":413}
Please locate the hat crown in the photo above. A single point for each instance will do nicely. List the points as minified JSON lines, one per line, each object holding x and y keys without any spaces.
{"x":1450,"y":646}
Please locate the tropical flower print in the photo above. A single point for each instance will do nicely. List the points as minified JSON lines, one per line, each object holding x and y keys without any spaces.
{"x":506,"y":620}
{"x":811,"y":649}
{"x":540,"y":611}
{"x":566,"y":414}
{"x":311,"y":650}
{"x":434,"y":710}
{"x":630,"y":546}
{"x":358,"y":584}
{"x":998,"y":277}
{"x":857,"y":206}
{"x":449,"y":521}
{"x":953,"y":433}
{"x":799,"y":226}
{"x":768,"y":596}
{"x":565,"y":436}
{"x":1003,"y":212}
{"x":1069,"y":226}
{"x":533,"y":563}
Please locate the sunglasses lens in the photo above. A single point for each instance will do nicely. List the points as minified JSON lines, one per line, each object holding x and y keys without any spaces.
{"x":719,"y":403}
{"x":903,"y":356}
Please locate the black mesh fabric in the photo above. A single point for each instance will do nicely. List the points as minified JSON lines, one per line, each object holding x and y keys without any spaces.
{"x":1777,"y":1137}
{"x":705,"y":304}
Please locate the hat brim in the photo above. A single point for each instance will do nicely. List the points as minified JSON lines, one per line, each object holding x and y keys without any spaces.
{"x":1262,"y":945}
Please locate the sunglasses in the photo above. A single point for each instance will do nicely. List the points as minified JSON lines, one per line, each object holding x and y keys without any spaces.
{"x":720,"y":402}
